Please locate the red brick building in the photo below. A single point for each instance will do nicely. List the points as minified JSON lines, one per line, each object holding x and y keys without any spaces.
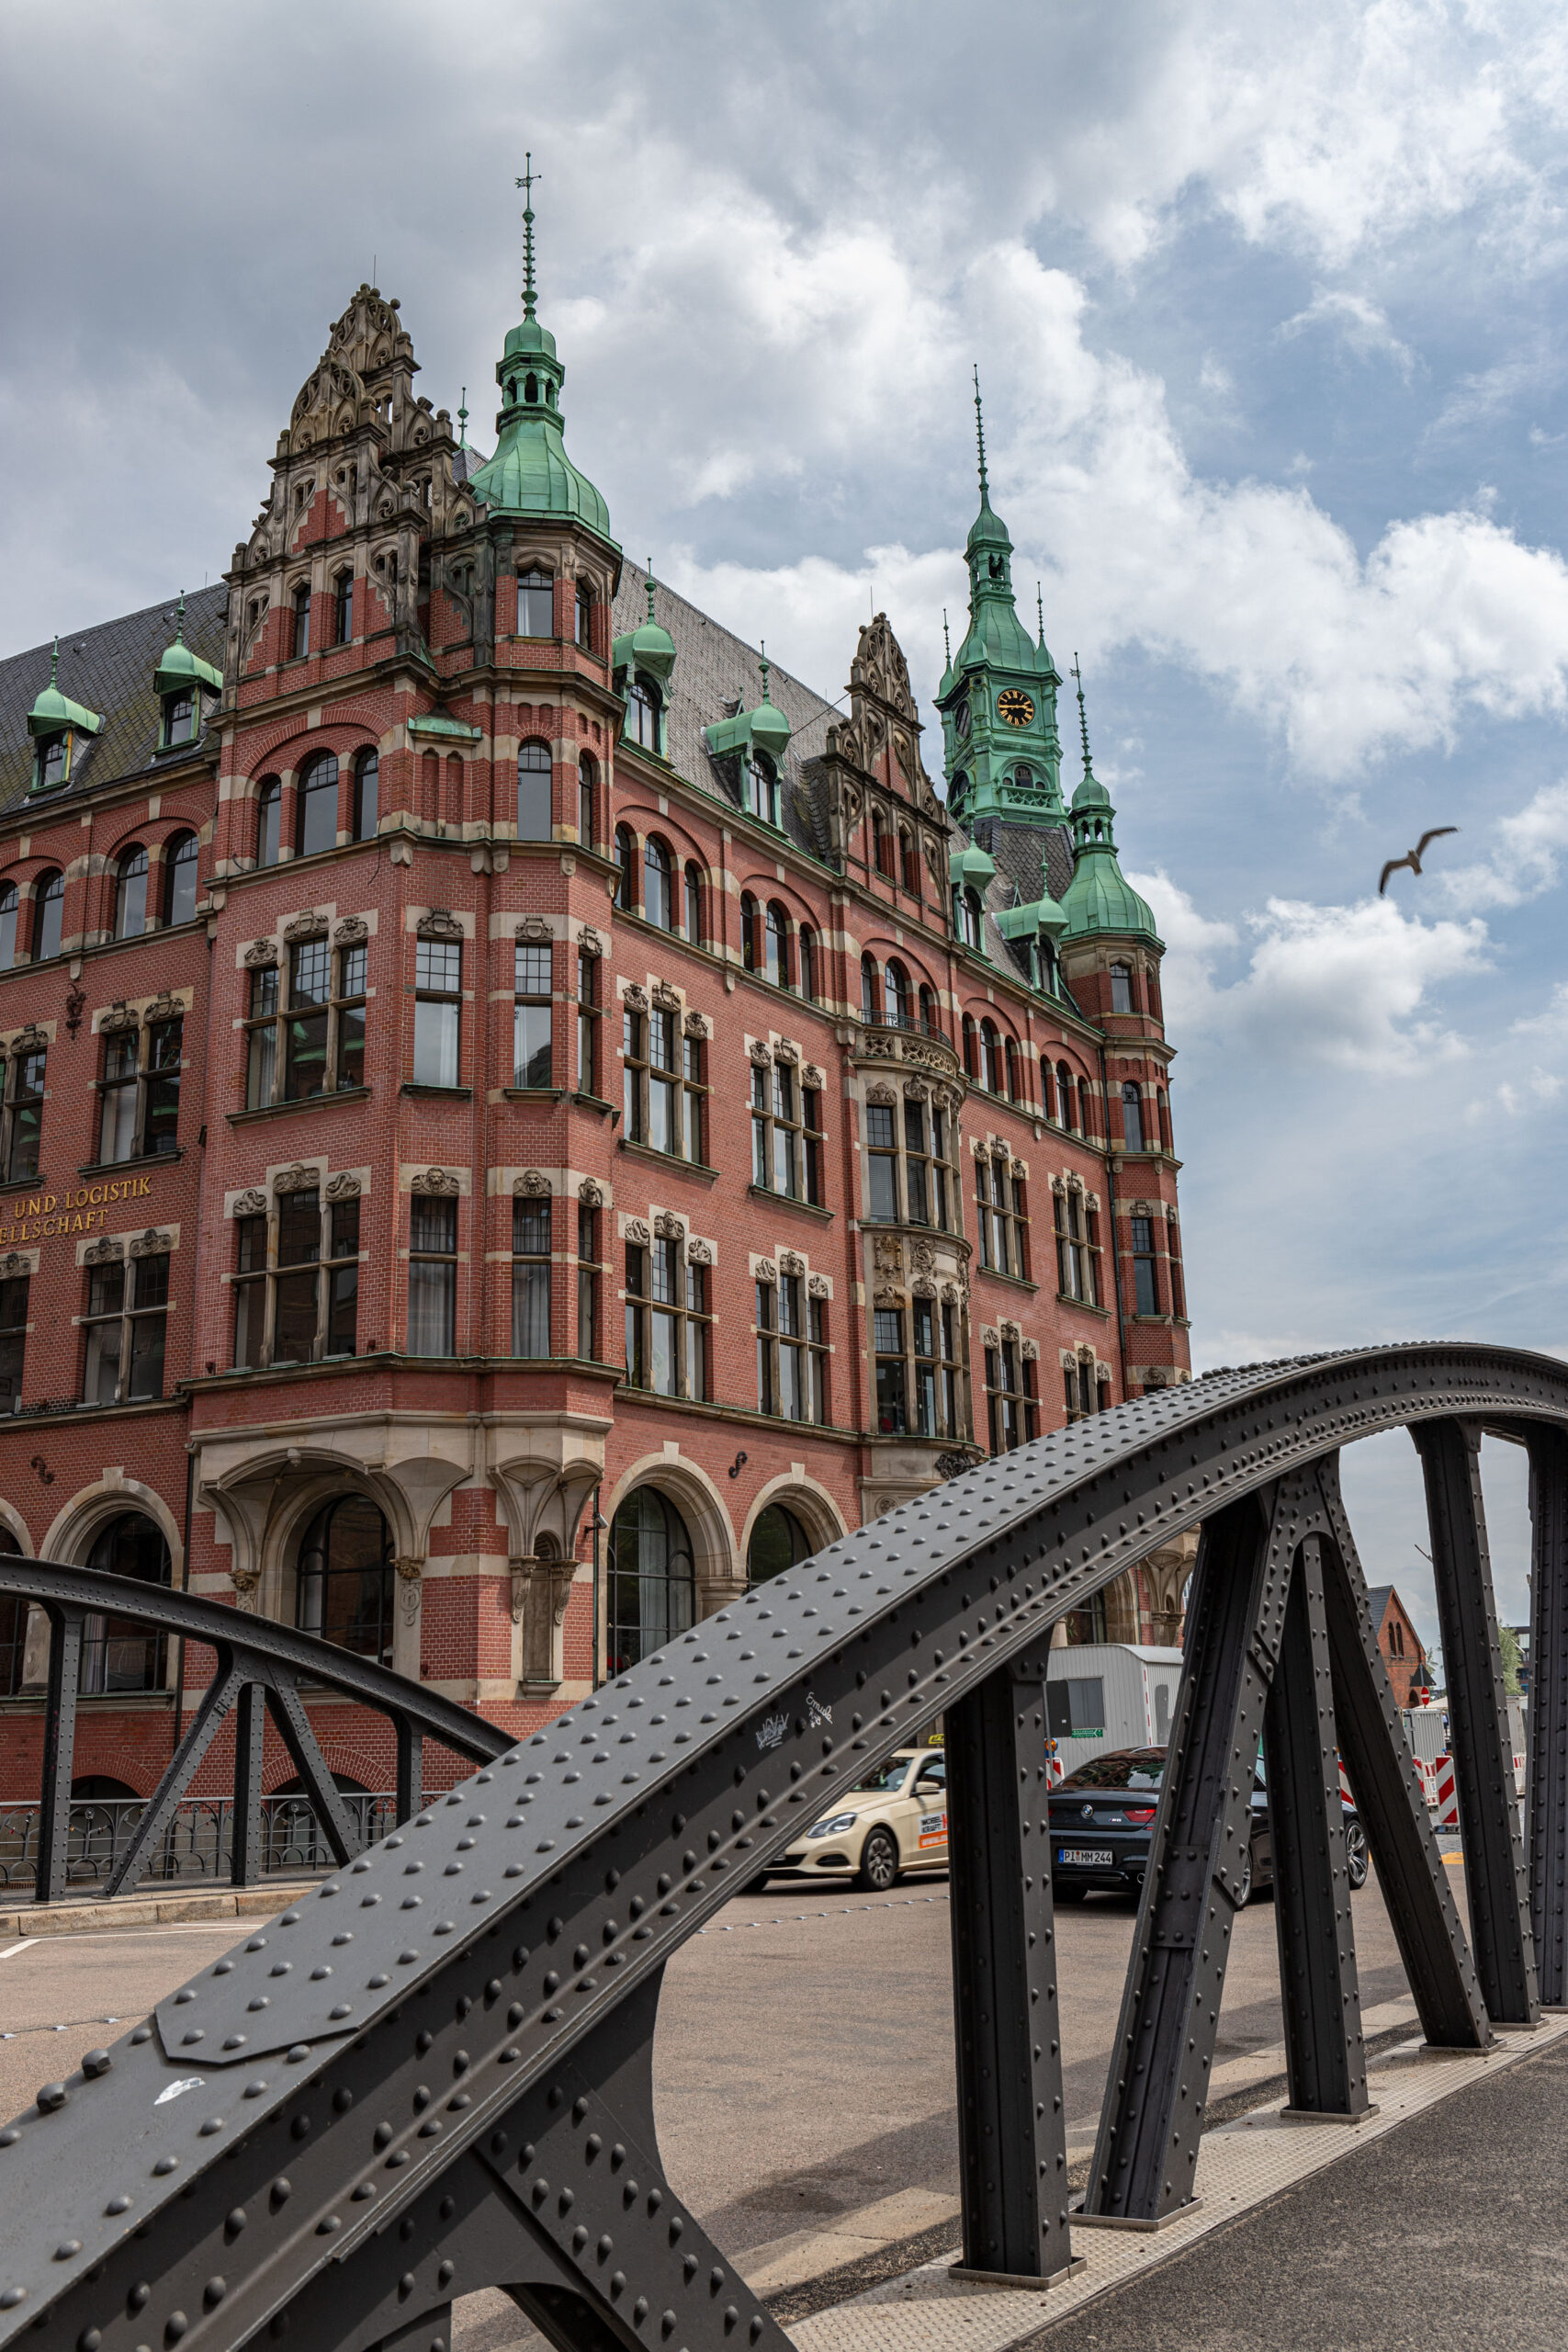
{"x":1409,"y":1669}
{"x":517,"y":1118}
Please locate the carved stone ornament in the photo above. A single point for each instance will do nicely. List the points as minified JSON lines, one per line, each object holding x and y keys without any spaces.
{"x":880,"y":1093}
{"x":766,"y":1270}
{"x":923,"y":1287}
{"x":1091,"y":1203}
{"x":889,"y":1296}
{"x":951,"y":1465}
{"x":589,"y":942}
{"x":884,"y":1503}
{"x":250,"y":1203}
{"x":1031,"y":1351}
{"x":298,"y":1178}
{"x":151,"y":1244}
{"x":260,"y":953}
{"x":344,"y":1188}
{"x":812,"y":1079}
{"x":1009,"y":1331}
{"x":532,"y":1186}
{"x":878,"y":1045}
{"x":888,"y":1252}
{"x":669,"y":1227}
{"x":667,"y":999}
{"x":1020,"y":1169}
{"x":352,"y":932}
{"x":637,"y":1233}
{"x":699,"y":1253}
{"x":545,"y":1582}
{"x":635,"y":996}
{"x":916,"y":1090}
{"x":786,"y":1050}
{"x":244,"y":1581}
{"x":817,"y":1287}
{"x":922,"y":1256}
{"x":590,"y":1193}
{"x":100,"y":1253}
{"x":698,"y":1025}
{"x":435,"y":1180}
{"x":411,"y":1578}
{"x":950,"y":1293}
{"x":440,"y":923}
{"x":988,"y":1336}
{"x":30,"y":1040}
{"x":14,"y":1262}
{"x":791,"y":1262}
{"x":535,"y":928}
{"x":306,"y":925}
{"x":120,"y":1016}
{"x":760,"y":1053}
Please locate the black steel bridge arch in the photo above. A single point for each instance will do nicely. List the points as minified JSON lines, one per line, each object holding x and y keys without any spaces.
{"x":433,"y":2073}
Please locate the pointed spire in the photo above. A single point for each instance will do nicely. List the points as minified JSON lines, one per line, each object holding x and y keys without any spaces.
{"x":180,"y":619}
{"x":1040,"y":609}
{"x":54,"y":659}
{"x":946,"y":640}
{"x":463,"y":420}
{"x":763,"y":664}
{"x":980,"y":438}
{"x":1083,"y":722}
{"x":650,"y":587}
{"x":526,"y":185}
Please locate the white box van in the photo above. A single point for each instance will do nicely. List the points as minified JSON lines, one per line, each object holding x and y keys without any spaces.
{"x":1104,"y":1695}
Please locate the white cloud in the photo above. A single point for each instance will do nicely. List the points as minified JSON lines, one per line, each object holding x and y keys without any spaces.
{"x":1360,"y":325}
{"x":1526,"y":859}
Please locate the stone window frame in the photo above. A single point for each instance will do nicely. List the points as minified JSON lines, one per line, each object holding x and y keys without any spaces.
{"x":793,"y":1342}
{"x":686,"y":1035}
{"x":18,"y":1055}
{"x":349,"y":940}
{"x":1085,"y":1377}
{"x":664,"y":1251}
{"x":1012,"y":1403}
{"x":1001,"y":1210}
{"x":157,"y":1014}
{"x":779,"y":1078}
{"x":128,"y":1254}
{"x":941,"y":1168}
{"x":1075,"y":1221}
{"x":262,"y":1274}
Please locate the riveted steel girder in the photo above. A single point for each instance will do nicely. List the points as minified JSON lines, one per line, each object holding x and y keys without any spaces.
{"x":449,"y":1971}
{"x":1547,"y":1819}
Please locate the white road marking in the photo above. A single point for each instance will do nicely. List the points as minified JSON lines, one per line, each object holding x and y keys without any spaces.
{"x":21,"y":1947}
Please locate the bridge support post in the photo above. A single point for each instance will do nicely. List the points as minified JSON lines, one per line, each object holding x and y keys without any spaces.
{"x":65,"y":1631}
{"x":1548,"y":1802}
{"x":1011,"y":2130}
{"x":1404,"y":1845}
{"x":245,"y":1858}
{"x":1324,"y":2048}
{"x":1478,"y":1723}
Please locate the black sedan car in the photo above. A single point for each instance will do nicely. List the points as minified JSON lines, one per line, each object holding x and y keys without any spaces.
{"x":1102,"y":1819}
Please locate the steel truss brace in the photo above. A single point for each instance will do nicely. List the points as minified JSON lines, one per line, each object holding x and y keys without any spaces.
{"x":1548,"y":1742}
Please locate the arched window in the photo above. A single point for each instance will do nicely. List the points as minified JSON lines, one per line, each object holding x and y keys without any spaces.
{"x":8,"y":925}
{"x":881,"y":844}
{"x":694,"y":904}
{"x":1163,"y":1102}
{"x":991,"y":1057}
{"x":870,"y":990}
{"x":971,"y":1059}
{"x":534,"y":792}
{"x":1067,"y":1099}
{"x":1015,"y":1088}
{"x":299,"y":612}
{"x":1023,"y":777}
{"x":909,"y":862}
{"x":778,"y":1541}
{"x":116,"y":1656}
{"x":808,"y":964}
{"x":1122,"y":987}
{"x":367,"y":796}
{"x":763,"y":789}
{"x":642,"y":713}
{"x":928,"y":1012}
{"x":1085,"y":1116}
{"x":1131,"y":1117}
{"x":345,"y":1583}
{"x":625,"y":864}
{"x":269,"y":809}
{"x":315,"y":806}
{"x":587,"y":789}
{"x":535,"y":603}
{"x":180,"y":859}
{"x":583,"y":609}
{"x":751,"y":927}
{"x":49,"y":914}
{"x":1047,"y":1089}
{"x":652,"y":1594}
{"x":658,"y":885}
{"x":1151,"y":982}
{"x":966,"y":916}
{"x":898,"y":994}
{"x":778,"y":945}
{"x":131,"y":895}
{"x":179,"y":718}
{"x":343,"y":608}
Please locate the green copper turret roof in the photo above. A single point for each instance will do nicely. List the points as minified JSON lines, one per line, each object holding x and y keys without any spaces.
{"x":178,"y":666}
{"x":53,"y":711}
{"x":647,"y":647}
{"x":530,"y":473}
{"x":763,"y":728}
{"x":1099,"y":898}
{"x":996,"y":637}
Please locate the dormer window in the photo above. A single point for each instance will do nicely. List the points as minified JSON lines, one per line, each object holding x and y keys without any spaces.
{"x":642,"y":713}
{"x":181,"y":717}
{"x":53,"y":760}
{"x":535,"y":603}
{"x":966,"y":916}
{"x":763,"y":789}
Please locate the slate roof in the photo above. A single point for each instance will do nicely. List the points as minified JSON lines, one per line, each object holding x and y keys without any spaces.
{"x":109,"y":668}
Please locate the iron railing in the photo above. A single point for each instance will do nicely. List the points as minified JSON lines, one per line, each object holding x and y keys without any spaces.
{"x":197,"y":1847}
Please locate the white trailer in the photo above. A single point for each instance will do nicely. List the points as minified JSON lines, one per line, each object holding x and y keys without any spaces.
{"x":1106,"y":1695}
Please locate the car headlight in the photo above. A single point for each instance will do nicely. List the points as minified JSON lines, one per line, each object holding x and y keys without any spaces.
{"x":836,"y":1827}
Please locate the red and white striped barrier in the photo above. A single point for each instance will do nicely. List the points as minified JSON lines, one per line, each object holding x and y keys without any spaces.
{"x":1344,"y":1781}
{"x":1519,"y":1773}
{"x":1425,"y":1779}
{"x":1058,"y":1770}
{"x":1448,"y":1796}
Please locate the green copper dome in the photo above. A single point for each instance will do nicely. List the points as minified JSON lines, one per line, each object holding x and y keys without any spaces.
{"x":53,"y":711}
{"x":530,"y":473}
{"x":649,"y":646}
{"x":179,"y":666}
{"x":1100,"y":897}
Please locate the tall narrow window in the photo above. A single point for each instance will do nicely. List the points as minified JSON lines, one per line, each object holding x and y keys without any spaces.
{"x":587,"y":1026}
{"x":534,"y":824}
{"x":346,"y":1584}
{"x":438,"y":998}
{"x":751,"y":941}
{"x":651,"y":1590}
{"x":1067,"y":1096}
{"x":13,"y":1341}
{"x":1122,"y":987}
{"x":1086,"y":1116}
{"x":1075,"y":1260}
{"x":1177,"y":1290}
{"x":966,"y":918}
{"x":882,"y":1162}
{"x":584,"y":613}
{"x":808,"y":981}
{"x":269,"y":815}
{"x":892,"y":1376}
{"x":181,"y":719}
{"x":1145,"y":1274}
{"x":531,"y":1018}
{"x":531,"y":1276}
{"x":777,"y":944}
{"x":999,"y":1214}
{"x":299,"y":615}
{"x":925,"y":1176}
{"x":127,"y":1311}
{"x":971,"y":1054}
{"x":130,"y":894}
{"x":991,"y":1057}
{"x":181,"y":857}
{"x":662,"y":1084}
{"x":315,"y":806}
{"x":8,"y":925}
{"x":1011,"y":1408}
{"x":301,"y":1301}
{"x":791,"y":1350}
{"x":667,"y":1320}
{"x":23,"y":1114}
{"x":658,"y":885}
{"x":433,"y":1276}
{"x":642,"y":712}
{"x":1047,"y":1090}
{"x":909,"y":862}
{"x":343,"y":608}
{"x":367,"y":796}
{"x":1014,"y":1069}
{"x":588,"y":1271}
{"x":1131,"y":1117}
{"x":535,"y":603}
{"x":141,"y":1092}
{"x":928,"y":1022}
{"x":48,"y":915}
{"x":626,"y":869}
{"x":692,"y":918}
{"x":870,"y":990}
{"x":898,"y":998}
{"x":586,"y":785}
{"x":786,"y":1140}
{"x":763,"y":789}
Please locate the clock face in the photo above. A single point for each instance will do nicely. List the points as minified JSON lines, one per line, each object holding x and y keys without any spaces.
{"x":1014,"y":707}
{"x":961,"y":722}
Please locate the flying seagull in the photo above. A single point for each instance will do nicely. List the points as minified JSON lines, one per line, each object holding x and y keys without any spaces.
{"x":1413,"y":857}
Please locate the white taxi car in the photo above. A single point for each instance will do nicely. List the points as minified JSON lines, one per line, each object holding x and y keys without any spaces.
{"x":892,"y":1821}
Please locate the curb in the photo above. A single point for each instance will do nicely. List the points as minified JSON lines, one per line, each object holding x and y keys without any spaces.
{"x":152,"y":1911}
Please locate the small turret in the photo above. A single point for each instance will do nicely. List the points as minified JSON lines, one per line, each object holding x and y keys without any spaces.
{"x":1099,"y":898}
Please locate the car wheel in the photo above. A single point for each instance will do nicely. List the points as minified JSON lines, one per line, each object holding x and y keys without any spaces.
{"x":878,"y":1862}
{"x":1243,"y":1896}
{"x":1357,"y":1860}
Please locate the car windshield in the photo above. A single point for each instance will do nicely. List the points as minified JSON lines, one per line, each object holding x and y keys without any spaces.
{"x":1138,"y":1768}
{"x":887,"y":1776}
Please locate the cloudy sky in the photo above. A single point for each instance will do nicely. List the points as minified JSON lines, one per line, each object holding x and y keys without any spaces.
{"x":1268,"y":307}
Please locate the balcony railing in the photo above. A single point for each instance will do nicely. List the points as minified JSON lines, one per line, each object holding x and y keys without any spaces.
{"x":196,"y":1848}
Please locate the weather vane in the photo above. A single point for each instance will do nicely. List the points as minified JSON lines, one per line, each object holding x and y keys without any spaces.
{"x":980,"y":433}
{"x":1083,"y":722}
{"x":526,"y":185}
